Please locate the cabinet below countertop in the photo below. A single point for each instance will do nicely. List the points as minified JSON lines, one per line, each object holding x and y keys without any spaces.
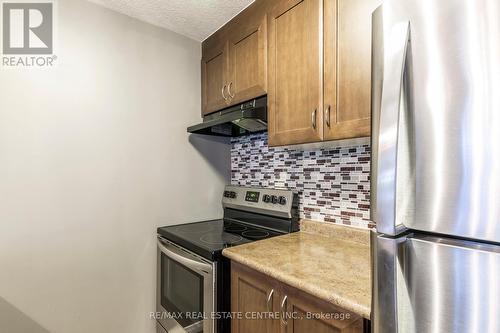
{"x":267,"y":305}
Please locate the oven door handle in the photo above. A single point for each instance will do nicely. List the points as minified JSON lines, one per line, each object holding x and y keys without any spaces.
{"x":177,"y":255}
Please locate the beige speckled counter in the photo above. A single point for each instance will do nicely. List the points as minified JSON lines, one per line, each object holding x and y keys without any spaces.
{"x":315,"y":260}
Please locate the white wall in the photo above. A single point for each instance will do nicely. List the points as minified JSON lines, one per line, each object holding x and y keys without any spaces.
{"x":94,"y":155}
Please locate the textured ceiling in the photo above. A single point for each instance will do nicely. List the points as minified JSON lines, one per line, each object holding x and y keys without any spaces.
{"x":196,"y":19}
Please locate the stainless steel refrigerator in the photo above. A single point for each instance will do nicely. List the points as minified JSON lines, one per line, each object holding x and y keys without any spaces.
{"x":436,"y":166}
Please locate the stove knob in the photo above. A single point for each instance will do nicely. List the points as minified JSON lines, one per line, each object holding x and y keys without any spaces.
{"x":266,"y":198}
{"x":282,"y":201}
{"x":274,"y":199}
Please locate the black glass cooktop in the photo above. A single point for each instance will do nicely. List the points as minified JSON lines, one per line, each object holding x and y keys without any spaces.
{"x":209,"y":238}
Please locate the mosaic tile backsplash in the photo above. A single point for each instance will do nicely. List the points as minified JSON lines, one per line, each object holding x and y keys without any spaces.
{"x":333,"y":183}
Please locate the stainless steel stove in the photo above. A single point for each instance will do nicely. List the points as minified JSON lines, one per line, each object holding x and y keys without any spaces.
{"x":193,"y":279}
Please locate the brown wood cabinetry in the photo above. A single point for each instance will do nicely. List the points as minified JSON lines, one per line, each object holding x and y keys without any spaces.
{"x":251,"y":293}
{"x":248,"y":59}
{"x":234,"y":60}
{"x":214,"y":69}
{"x":313,"y":315}
{"x":289,"y":310}
{"x":295,"y":72}
{"x":347,"y":57}
{"x":319,"y":70}
{"x":312,"y":58}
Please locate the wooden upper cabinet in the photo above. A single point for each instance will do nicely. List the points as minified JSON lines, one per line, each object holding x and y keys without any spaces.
{"x":295,"y":72}
{"x":311,"y":57}
{"x":214,"y":69}
{"x":234,"y":60}
{"x":247,"y":58}
{"x":347,"y":92}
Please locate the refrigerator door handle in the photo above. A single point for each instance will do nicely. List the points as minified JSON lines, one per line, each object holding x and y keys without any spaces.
{"x":395,"y":57}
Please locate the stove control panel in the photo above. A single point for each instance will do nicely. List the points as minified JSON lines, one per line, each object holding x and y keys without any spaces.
{"x":260,"y":200}
{"x":230,"y":194}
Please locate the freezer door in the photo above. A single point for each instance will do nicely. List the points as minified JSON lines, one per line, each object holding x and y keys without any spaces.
{"x":429,"y":284}
{"x":436,"y":128}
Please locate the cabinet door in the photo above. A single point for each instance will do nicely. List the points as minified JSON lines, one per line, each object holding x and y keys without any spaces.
{"x":252,"y":293}
{"x":306,"y":314}
{"x":347,"y":92}
{"x":213,"y":77}
{"x":295,"y":89}
{"x":247,"y":58}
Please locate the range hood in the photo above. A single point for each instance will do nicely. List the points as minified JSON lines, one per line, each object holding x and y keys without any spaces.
{"x":246,"y":118}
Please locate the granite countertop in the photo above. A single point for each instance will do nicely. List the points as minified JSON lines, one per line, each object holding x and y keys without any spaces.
{"x":328,"y":261}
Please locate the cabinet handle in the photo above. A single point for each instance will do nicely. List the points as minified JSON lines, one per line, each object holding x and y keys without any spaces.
{"x":327,"y":115}
{"x":313,"y":118}
{"x":229,"y":90}
{"x":222,"y":91}
{"x":283,"y":302}
{"x":269,"y":297}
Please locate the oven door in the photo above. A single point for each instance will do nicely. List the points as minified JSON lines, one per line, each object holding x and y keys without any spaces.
{"x":185,"y":290}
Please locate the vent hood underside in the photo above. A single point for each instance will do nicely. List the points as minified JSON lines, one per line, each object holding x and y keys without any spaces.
{"x":249,"y":117}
